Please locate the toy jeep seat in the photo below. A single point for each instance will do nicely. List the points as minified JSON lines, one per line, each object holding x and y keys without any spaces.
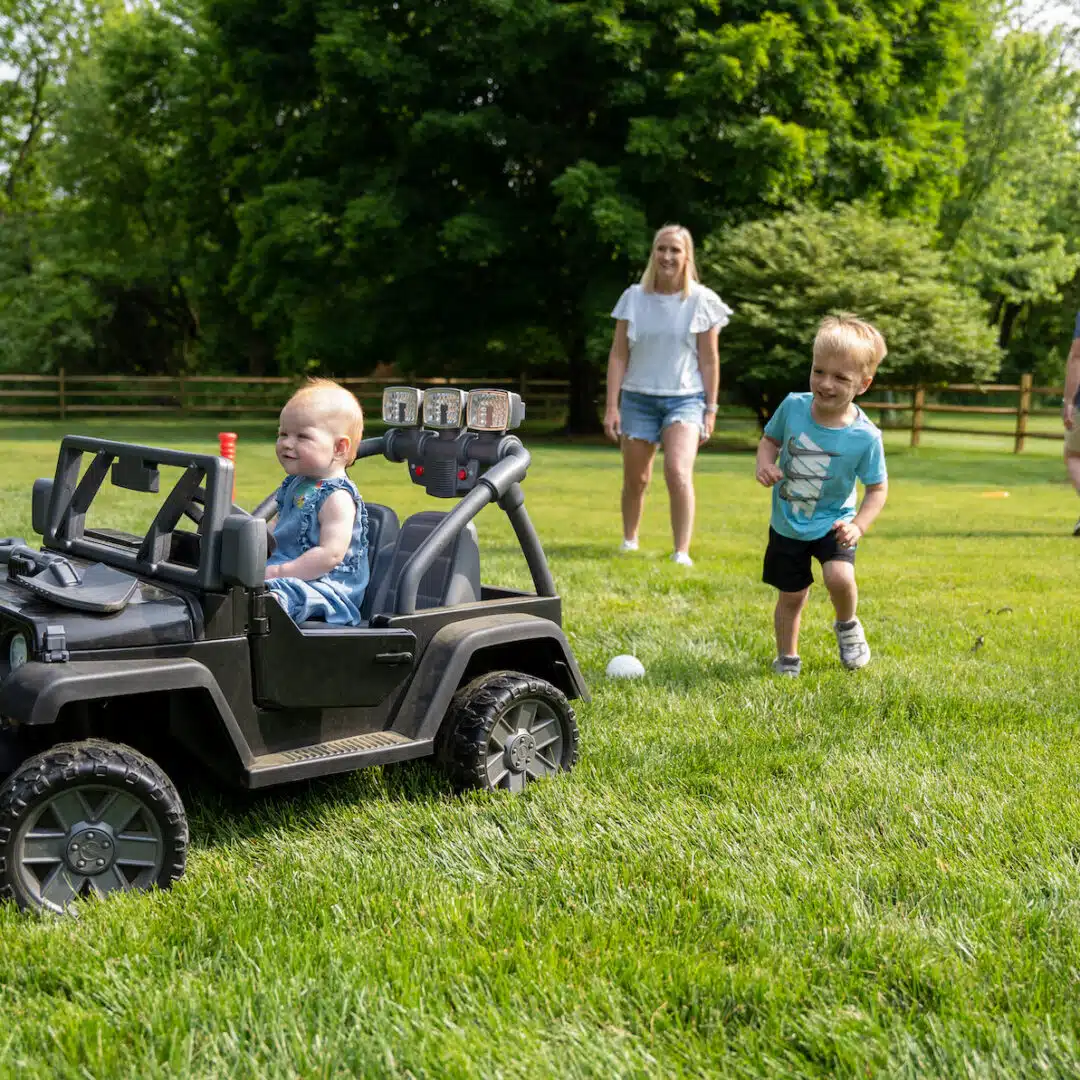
{"x":454,"y":577}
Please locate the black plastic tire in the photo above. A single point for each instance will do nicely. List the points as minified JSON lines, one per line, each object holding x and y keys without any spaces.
{"x":506,"y":729}
{"x":88,"y":818}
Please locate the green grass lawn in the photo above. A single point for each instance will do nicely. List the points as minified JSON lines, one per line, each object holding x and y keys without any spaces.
{"x":844,"y":874}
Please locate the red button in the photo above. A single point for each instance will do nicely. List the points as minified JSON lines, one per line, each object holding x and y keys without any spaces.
{"x":462,"y":474}
{"x":419,"y":470}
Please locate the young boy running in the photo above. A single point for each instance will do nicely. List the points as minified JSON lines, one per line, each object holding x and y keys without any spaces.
{"x":824,"y":441}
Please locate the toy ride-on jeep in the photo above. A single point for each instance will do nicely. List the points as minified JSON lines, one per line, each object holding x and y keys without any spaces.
{"x":117,"y":648}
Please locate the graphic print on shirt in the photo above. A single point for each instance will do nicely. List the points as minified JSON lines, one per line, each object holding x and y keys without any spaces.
{"x":805,"y":473}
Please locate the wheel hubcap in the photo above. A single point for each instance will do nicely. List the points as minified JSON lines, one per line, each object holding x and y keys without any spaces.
{"x":520,"y":750}
{"x":91,"y":849}
{"x":526,"y":744}
{"x":87,"y":841}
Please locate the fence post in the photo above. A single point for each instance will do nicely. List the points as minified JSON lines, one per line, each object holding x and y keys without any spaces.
{"x":60,"y":395}
{"x":1023,"y":409}
{"x":523,"y":385}
{"x":917,"y":403}
{"x":183,"y":393}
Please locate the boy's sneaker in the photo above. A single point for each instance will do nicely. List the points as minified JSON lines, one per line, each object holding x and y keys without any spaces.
{"x":1076,"y":528}
{"x":681,"y":558}
{"x":628,"y":545}
{"x":850,"y":636}
{"x":787,"y":665}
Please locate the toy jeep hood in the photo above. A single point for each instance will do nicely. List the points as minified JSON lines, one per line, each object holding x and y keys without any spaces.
{"x":88,"y":604}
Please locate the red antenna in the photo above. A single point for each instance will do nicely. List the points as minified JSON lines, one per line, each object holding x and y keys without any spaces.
{"x":227,"y":450}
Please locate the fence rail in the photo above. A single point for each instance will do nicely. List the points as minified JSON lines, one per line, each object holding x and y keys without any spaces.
{"x":62,"y":395}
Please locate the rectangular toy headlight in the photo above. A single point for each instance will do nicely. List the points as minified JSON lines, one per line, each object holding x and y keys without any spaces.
{"x":401,"y":406}
{"x":494,"y":410}
{"x":444,"y":409}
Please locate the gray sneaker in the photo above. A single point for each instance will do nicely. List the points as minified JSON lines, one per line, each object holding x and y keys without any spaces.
{"x":854,"y":652}
{"x":1076,"y":528}
{"x":787,"y":665}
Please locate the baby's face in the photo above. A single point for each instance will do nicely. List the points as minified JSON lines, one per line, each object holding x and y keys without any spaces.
{"x":305,"y":442}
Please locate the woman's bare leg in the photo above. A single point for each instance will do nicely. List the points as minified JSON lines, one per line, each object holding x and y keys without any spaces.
{"x":680,"y":451}
{"x":638,"y":456}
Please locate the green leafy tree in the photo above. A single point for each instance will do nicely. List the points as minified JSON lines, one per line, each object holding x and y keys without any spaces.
{"x":1011,"y":226}
{"x":425,"y":181}
{"x":784,"y":274}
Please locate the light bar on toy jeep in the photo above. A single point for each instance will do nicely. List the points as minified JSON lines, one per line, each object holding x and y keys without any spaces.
{"x":444,"y":410}
{"x":494,"y":410}
{"x":401,"y":406}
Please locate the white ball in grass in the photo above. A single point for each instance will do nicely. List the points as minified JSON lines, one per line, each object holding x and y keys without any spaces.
{"x":625,"y":667}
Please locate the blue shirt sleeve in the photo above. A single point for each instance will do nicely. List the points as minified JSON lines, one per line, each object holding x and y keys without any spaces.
{"x":776,"y":425}
{"x":1076,"y":328}
{"x":871,"y":468}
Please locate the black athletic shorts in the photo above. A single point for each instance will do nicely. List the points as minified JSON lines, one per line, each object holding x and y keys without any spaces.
{"x":787,"y":561}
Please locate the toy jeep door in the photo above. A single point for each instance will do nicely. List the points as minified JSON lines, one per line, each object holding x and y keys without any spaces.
{"x":320,"y":666}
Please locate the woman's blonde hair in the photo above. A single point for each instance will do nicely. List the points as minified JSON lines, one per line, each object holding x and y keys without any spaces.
{"x":648,"y":279}
{"x":339,"y":408}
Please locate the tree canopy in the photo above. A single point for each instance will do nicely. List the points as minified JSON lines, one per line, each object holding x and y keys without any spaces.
{"x":783,"y":274}
{"x":466,"y":187}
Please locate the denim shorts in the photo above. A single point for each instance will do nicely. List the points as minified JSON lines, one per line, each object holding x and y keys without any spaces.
{"x":644,"y":416}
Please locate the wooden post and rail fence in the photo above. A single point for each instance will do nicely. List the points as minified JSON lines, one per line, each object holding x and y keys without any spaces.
{"x":65,"y":396}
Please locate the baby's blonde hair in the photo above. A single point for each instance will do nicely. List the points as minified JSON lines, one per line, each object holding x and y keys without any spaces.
{"x":338,"y":407}
{"x":648,"y":279}
{"x":847,"y":335}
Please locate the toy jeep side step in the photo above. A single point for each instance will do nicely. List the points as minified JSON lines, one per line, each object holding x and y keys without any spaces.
{"x":341,"y":755}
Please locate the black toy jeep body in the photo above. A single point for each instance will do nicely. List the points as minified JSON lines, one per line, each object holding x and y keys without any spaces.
{"x":114,"y":646}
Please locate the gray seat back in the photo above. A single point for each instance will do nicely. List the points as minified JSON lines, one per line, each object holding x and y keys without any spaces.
{"x":383,"y":529}
{"x":454,"y":577}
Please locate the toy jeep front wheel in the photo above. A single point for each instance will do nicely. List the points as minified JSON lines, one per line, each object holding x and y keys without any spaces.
{"x":506,"y":729}
{"x":88,"y":819}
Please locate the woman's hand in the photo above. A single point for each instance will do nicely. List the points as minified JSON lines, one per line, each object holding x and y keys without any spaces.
{"x":710,"y":424}
{"x":612,"y":428}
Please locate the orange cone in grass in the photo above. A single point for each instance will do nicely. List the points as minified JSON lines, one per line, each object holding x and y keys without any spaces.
{"x":227,"y":449}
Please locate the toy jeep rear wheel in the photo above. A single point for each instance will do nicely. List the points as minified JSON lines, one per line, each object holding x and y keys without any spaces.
{"x":506,"y":729}
{"x":88,"y":819}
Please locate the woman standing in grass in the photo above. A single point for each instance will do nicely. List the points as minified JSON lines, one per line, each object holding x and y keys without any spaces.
{"x":662,"y":382}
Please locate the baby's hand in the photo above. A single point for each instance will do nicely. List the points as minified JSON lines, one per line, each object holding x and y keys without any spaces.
{"x":767,"y":475}
{"x":273,"y":571}
{"x":848,"y":534}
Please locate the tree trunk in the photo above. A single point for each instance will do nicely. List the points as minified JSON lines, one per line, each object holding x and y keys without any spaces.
{"x":1007,"y":323}
{"x":583,"y":418}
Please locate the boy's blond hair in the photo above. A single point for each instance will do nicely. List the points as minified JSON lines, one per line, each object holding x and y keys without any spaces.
{"x":338,"y":407}
{"x":690,"y":275}
{"x":847,"y":335}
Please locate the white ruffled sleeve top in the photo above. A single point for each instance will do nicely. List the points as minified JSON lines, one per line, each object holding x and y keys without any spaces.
{"x":662,"y":330}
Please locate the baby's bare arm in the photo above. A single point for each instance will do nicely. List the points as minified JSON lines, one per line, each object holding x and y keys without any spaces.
{"x":336,"y":520}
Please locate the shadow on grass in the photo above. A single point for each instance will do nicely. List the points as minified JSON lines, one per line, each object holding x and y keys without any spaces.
{"x":220,"y":814}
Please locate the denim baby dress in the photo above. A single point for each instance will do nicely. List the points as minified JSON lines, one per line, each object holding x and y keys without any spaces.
{"x":335,"y":597}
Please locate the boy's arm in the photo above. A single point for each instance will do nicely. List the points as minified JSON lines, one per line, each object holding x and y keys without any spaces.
{"x":849,"y":533}
{"x":336,"y":518}
{"x":768,"y":472}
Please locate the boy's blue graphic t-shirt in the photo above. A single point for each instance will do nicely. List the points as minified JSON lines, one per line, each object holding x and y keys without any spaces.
{"x":820,"y":466}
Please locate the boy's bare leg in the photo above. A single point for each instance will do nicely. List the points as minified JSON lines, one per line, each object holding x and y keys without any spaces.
{"x":638,"y":457}
{"x":680,"y":450}
{"x":840,"y":581}
{"x":786,"y":620}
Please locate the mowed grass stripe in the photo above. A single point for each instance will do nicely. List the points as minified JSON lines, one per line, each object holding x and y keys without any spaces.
{"x":832,"y":875}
